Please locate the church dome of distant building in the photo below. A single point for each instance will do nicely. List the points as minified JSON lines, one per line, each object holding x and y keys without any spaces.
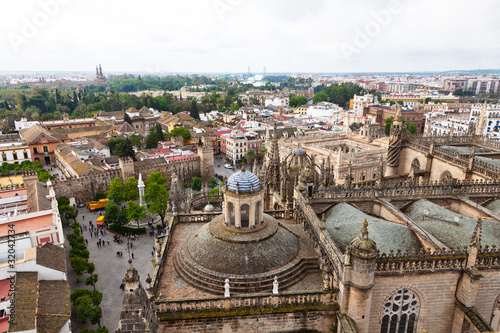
{"x":208,"y":208}
{"x":243,"y":181}
{"x":298,"y":151}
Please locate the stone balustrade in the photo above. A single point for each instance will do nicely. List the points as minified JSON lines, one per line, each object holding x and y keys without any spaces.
{"x":242,"y":301}
{"x":409,"y":189}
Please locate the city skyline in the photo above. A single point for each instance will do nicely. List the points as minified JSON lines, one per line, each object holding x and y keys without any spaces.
{"x":232,"y":35}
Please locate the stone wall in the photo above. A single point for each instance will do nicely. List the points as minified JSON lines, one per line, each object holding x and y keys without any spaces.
{"x":436,"y":292}
{"x":319,"y":321}
{"x":489,"y":291}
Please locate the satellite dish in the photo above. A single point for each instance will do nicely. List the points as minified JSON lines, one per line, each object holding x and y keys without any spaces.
{"x":426,"y":212}
{"x":456,"y":218}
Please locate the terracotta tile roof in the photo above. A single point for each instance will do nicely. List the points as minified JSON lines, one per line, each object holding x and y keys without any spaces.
{"x":126,"y":128}
{"x":51,"y":256}
{"x":37,"y":197}
{"x":35,"y":133}
{"x":53,"y":306}
{"x":26,"y":300}
{"x":102,"y":128}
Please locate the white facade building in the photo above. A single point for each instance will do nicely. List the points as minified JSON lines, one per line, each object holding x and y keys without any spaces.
{"x":24,"y":123}
{"x":14,"y":152}
{"x":360,"y":102}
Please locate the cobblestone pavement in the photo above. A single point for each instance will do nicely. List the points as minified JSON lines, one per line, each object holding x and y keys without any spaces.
{"x":111,"y":270}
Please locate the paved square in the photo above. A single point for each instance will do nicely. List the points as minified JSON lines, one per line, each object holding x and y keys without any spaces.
{"x":110,"y":268}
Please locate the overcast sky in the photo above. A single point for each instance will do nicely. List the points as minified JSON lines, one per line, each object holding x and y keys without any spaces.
{"x":232,"y":35}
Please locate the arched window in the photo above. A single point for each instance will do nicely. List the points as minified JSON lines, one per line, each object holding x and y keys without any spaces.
{"x":245,"y":216}
{"x":415,"y":165}
{"x":346,"y":149}
{"x":231,"y":213}
{"x":445,"y":177}
{"x":257,"y":213}
{"x":400,"y":313}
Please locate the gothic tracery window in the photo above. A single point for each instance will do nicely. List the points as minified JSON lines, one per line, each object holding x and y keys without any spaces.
{"x":445,"y":177}
{"x":400,"y":313}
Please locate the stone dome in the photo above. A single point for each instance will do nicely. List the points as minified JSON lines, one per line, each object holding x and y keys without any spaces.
{"x":208,"y":208}
{"x":243,"y":181}
{"x":250,"y":260}
{"x":362,"y":246}
{"x":298,"y":151}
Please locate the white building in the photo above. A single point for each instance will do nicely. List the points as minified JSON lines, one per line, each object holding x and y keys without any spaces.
{"x":276,"y":102}
{"x":360,"y":102}
{"x":24,"y":123}
{"x":492,"y":127}
{"x":14,"y":152}
{"x":324,"y":109}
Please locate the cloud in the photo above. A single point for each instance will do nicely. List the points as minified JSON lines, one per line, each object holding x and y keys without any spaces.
{"x":231,"y":35}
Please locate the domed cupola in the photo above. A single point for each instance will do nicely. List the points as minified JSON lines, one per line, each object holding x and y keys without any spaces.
{"x":298,"y":151}
{"x":243,"y":182}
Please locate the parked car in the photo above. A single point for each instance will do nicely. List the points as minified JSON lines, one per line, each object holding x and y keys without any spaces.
{"x":228,"y":166}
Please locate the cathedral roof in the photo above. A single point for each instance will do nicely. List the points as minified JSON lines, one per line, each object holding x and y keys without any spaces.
{"x":243,"y":181}
{"x":451,"y":228}
{"x":343,"y":222}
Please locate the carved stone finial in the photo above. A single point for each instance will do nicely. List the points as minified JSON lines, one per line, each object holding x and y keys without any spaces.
{"x":226,"y":289}
{"x":476,"y":235}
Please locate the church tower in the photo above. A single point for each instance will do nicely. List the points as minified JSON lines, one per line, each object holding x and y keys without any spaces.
{"x":482,"y":121}
{"x":273,"y":174}
{"x":398,"y":131}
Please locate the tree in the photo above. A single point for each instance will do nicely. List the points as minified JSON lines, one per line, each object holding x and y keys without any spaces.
{"x":212,"y":182}
{"x":44,"y":176}
{"x":126,"y":118}
{"x":262,"y":150}
{"x":152,"y":138}
{"x":250,"y":155}
{"x":62,"y":200}
{"x":116,"y":191}
{"x":99,"y":330}
{"x":181,"y":131}
{"x":194,"y":112}
{"x":130,"y":189}
{"x":388,"y":123}
{"x":296,"y":101}
{"x":195,"y":183}
{"x":86,"y":305}
{"x":136,"y":140}
{"x":79,"y":264}
{"x":114,"y":215}
{"x":159,"y":130}
{"x":135,"y":212}
{"x":156,"y":195}
{"x":92,"y":279}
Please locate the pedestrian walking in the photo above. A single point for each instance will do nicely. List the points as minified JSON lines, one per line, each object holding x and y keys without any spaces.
{"x":132,"y":256}
{"x":152,"y":253}
{"x":122,"y":286}
{"x":86,"y":241}
{"x":107,"y":240}
{"x":97,"y":244}
{"x":91,"y":234}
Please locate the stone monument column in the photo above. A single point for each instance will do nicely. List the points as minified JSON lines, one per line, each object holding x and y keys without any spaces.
{"x":141,"y":187}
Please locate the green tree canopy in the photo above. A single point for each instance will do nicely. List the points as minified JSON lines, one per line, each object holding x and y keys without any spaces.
{"x":296,"y":101}
{"x":212,"y":182}
{"x":156,"y":195}
{"x":135,"y":212}
{"x":410,"y":127}
{"x":152,"y":138}
{"x":114,"y":215}
{"x":194,"y":112}
{"x":195,"y":183}
{"x":181,"y":131}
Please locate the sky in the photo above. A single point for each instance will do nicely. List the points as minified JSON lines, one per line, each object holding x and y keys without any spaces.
{"x":200,"y":36}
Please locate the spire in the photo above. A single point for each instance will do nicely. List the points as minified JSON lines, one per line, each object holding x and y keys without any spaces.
{"x":100,"y":70}
{"x":363,"y":234}
{"x":96,"y":70}
{"x":452,"y":129}
{"x":481,"y":122}
{"x":399,"y":115}
{"x":476,"y":235}
{"x":380,"y":172}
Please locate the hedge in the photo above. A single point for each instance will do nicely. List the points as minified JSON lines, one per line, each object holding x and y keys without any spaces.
{"x":120,"y":229}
